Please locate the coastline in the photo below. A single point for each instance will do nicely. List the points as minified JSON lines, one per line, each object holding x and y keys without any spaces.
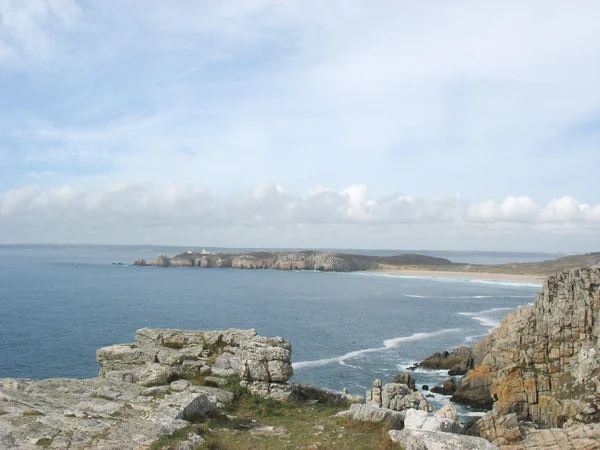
{"x":467,"y":275}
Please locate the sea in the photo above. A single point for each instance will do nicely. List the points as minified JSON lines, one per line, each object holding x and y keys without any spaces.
{"x":59,"y":304}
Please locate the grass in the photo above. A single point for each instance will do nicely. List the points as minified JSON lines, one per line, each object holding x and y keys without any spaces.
{"x":302,"y":426}
{"x":44,"y":442}
{"x":32,"y":412}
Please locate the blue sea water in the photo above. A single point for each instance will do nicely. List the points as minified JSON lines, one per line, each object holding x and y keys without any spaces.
{"x":59,"y":304}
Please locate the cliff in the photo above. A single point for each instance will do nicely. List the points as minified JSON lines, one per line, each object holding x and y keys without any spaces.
{"x":306,"y":260}
{"x":541,"y":367}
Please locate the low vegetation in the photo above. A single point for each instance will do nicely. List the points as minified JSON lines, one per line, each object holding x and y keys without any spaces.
{"x":255,"y":423}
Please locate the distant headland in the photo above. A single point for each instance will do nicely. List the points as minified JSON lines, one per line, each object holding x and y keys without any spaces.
{"x":408,"y":264}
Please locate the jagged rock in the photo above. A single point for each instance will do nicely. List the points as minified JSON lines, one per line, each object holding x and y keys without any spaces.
{"x":421,"y":420}
{"x":406,"y":379}
{"x":474,"y":388}
{"x":449,"y":412}
{"x":374,"y":413}
{"x":437,"y":440}
{"x":448,"y":388}
{"x":266,"y":359}
{"x":457,"y":362}
{"x":399,"y":397}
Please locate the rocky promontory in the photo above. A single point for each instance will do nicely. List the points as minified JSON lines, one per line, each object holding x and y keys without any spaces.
{"x":305,"y":260}
{"x":153,"y":387}
{"x":540,"y":369}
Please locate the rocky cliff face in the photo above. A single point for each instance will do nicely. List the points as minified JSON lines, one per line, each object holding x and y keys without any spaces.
{"x":543,"y":363}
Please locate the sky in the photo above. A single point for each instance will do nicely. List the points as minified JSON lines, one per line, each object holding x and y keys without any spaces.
{"x":299,"y":123}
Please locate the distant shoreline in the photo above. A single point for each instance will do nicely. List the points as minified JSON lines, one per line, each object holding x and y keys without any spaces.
{"x":467,"y":275}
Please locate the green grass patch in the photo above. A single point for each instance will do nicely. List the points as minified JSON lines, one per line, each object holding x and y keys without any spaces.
{"x":32,"y":412}
{"x":44,"y":442}
{"x":297,"y":426}
{"x":174,"y":345}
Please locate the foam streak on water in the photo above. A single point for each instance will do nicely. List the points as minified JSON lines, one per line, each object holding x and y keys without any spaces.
{"x":387,"y":344}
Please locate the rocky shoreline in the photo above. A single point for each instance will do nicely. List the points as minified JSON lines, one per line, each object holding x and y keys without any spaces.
{"x":539,"y":371}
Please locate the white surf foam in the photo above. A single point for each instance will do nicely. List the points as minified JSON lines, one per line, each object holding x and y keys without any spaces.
{"x":487,"y":311}
{"x":387,"y":344}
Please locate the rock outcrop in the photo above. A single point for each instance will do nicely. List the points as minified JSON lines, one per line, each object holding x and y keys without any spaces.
{"x":159,"y":356}
{"x":457,"y":362}
{"x":396,"y":396}
{"x":448,"y":388}
{"x":541,"y":366}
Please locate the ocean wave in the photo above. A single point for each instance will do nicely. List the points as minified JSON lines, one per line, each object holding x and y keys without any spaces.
{"x":487,"y":311}
{"x":387,"y":344}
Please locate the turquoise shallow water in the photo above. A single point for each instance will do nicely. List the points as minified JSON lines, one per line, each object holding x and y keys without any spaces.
{"x":58,"y":305}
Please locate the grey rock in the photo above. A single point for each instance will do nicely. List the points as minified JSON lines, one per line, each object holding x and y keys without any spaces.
{"x":179,"y":385}
{"x":399,"y":397}
{"x":266,"y":359}
{"x":421,"y":420}
{"x":376,"y":414}
{"x":437,"y":440}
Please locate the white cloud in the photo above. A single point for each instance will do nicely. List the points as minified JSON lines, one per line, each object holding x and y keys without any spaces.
{"x":186,"y":211}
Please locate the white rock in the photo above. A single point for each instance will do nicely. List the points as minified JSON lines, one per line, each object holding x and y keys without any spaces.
{"x":420,"y":420}
{"x":437,"y":440}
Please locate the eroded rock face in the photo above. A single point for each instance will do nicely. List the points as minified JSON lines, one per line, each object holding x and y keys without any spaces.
{"x":542,"y":359}
{"x":541,"y":366}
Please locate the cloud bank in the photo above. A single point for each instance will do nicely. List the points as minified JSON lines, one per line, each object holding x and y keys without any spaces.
{"x":268,"y":214}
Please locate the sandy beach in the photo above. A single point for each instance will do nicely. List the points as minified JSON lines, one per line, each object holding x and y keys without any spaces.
{"x":470,"y":275}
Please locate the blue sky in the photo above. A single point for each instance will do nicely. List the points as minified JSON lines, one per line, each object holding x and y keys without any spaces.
{"x":449,"y":125}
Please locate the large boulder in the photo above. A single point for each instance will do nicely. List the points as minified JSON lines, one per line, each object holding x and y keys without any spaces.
{"x":376,"y":414}
{"x":437,"y":440}
{"x":421,"y":420}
